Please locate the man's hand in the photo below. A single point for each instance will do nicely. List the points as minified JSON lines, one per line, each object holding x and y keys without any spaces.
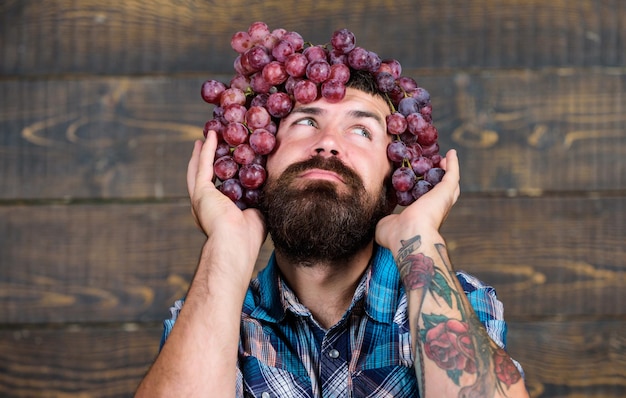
{"x":425,"y":215}
{"x":218,"y":217}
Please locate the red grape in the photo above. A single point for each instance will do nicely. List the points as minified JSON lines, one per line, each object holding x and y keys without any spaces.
{"x":257,"y":57}
{"x":403,"y":179}
{"x":262,"y":141}
{"x":240,"y":42}
{"x":305,"y":91}
{"x":215,"y":125}
{"x":428,"y":136}
{"x":394,"y":67}
{"x":408,"y":105}
{"x":295,"y":64}
{"x":408,"y":84}
{"x":258,"y":31}
{"x":251,"y":197}
{"x":252,"y":176}
{"x":340,"y":72}
{"x":279,"y":104}
{"x":421,"y":187}
{"x":235,"y":133}
{"x":274,"y":73}
{"x":282,"y":50}
{"x":296,"y":40}
{"x":223,"y":149}
{"x":225,"y":167}
{"x":313,"y":53}
{"x":397,"y":151}
{"x":430,"y":151}
{"x":404,"y":198}
{"x":434,"y":175}
{"x":373,"y":61}
{"x":333,"y":90}
{"x":241,"y":82}
{"x":257,"y":117}
{"x":343,"y":40}
{"x":234,"y":113}
{"x":396,"y":123}
{"x":318,"y":71}
{"x":421,"y":165}
{"x":212,"y":91}
{"x":359,"y":59}
{"x":385,"y":82}
{"x":416,"y":123}
{"x":232,"y":96}
{"x":232,"y":189}
{"x":259,"y":84}
{"x":243,"y":154}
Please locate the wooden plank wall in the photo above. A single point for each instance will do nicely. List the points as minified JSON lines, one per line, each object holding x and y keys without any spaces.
{"x":99,"y":104}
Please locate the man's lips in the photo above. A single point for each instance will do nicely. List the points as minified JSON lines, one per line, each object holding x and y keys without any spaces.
{"x":321,"y":174}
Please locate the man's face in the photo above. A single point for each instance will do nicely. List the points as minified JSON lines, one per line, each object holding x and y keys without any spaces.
{"x":326,"y":189}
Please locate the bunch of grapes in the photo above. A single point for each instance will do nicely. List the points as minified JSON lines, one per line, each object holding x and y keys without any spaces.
{"x":274,"y":70}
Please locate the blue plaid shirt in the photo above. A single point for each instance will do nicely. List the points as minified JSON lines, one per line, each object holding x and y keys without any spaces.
{"x":284,"y":352}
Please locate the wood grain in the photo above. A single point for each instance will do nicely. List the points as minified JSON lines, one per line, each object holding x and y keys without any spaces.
{"x":137,"y":37}
{"x":515,"y":131}
{"x":96,"y":262}
{"x":571,"y":358}
{"x":546,"y":256}
{"x":106,"y":361}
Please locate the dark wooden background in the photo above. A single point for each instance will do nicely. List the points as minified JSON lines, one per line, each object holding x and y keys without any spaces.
{"x":99,"y":105}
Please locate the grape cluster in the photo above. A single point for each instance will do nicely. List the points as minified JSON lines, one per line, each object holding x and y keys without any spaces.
{"x":274,"y":70}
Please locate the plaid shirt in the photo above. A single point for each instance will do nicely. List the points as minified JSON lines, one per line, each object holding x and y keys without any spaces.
{"x":284,"y":352}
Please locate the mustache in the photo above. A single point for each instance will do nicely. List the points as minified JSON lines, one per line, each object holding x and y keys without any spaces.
{"x":332,"y":164}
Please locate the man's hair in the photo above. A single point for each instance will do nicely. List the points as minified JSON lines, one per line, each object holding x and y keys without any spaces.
{"x":364,"y":81}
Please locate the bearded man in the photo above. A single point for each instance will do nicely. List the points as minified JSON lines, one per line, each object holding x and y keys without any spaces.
{"x":356,"y":300}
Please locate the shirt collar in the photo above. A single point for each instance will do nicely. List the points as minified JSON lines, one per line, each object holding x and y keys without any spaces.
{"x":269,"y":297}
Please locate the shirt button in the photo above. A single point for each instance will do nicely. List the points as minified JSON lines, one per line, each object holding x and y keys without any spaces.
{"x":333,"y":353}
{"x":265,"y":395}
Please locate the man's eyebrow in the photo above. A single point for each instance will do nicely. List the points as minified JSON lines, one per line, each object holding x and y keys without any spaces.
{"x":309,"y":110}
{"x":366,"y":114}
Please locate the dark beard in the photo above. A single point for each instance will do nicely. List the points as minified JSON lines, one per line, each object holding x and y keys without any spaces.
{"x":321,"y":222}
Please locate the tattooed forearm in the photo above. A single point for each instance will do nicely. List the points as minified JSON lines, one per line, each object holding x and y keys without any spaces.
{"x":458,"y":344}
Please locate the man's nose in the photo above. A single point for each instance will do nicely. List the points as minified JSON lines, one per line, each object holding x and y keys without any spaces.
{"x":328,"y":144}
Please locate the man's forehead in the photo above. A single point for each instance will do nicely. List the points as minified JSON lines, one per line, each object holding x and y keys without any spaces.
{"x":356,"y":103}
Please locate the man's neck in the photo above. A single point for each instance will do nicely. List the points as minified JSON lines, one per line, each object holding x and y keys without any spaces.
{"x":326,"y":289}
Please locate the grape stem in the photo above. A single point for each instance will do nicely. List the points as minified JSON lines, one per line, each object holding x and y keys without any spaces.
{"x":390,"y":103}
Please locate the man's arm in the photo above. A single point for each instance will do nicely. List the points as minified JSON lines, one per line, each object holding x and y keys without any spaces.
{"x":199,"y":357}
{"x":454,"y":355}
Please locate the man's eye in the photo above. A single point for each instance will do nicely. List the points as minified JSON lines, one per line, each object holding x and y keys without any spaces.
{"x":306,"y":121}
{"x":362,"y":131}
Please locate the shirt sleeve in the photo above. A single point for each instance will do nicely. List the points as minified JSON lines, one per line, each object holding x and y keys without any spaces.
{"x":488,"y":308}
{"x":168,"y":324}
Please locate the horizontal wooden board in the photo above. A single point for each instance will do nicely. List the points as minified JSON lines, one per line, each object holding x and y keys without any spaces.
{"x":75,"y":361}
{"x":571,"y":358}
{"x":546,"y":257}
{"x":136,"y":37}
{"x":559,"y":130}
{"x":109,"y":361}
